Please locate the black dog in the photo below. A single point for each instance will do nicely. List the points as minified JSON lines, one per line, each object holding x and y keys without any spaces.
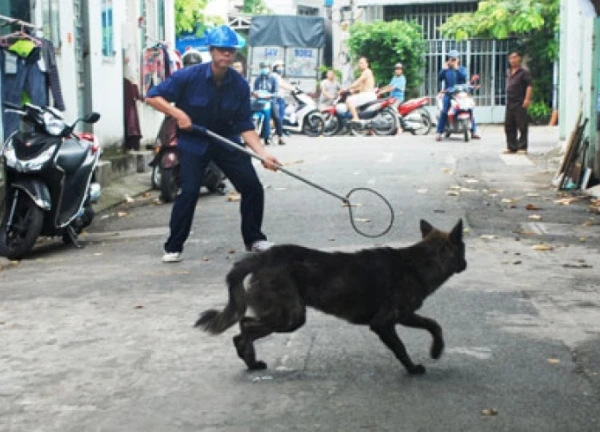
{"x":378,"y":287}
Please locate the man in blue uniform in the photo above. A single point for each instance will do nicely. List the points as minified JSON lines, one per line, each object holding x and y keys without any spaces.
{"x":214,"y":96}
{"x":452,"y":73}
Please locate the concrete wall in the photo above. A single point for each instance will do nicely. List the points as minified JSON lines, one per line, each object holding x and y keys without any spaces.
{"x":577,"y":20}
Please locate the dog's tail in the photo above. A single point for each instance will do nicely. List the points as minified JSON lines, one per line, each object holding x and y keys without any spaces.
{"x":216,"y":322}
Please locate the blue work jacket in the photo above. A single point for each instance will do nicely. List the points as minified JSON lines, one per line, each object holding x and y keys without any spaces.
{"x":225,"y":110}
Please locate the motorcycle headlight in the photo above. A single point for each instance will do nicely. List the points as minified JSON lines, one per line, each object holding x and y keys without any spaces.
{"x":37,"y":162}
{"x":54,"y":126}
{"x":9,"y":155}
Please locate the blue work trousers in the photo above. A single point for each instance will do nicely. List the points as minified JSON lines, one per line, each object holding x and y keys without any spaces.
{"x":238,"y":168}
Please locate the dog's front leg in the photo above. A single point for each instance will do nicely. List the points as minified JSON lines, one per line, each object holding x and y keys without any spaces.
{"x":418,"y":321}
{"x":387,"y":334}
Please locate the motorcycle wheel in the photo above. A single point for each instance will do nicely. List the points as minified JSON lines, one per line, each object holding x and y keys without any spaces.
{"x":332,"y":125}
{"x":314,"y":124}
{"x":169,"y":184}
{"x":357,"y":131}
{"x":390,"y":117}
{"x":426,"y":123}
{"x":27,"y":225}
{"x":465,"y":126}
{"x":155,"y":177}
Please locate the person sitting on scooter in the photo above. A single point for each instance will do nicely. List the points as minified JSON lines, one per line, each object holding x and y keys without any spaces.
{"x":451,"y":74}
{"x":364,"y":87}
{"x":266,"y":83}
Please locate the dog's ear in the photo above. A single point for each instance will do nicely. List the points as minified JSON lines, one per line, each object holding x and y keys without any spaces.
{"x":457,"y":232}
{"x":426,"y":228}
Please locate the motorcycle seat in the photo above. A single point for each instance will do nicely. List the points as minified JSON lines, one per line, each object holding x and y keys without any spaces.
{"x":368,"y":104}
{"x":71,"y":155}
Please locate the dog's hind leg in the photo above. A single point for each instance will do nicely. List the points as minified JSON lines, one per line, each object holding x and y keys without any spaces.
{"x":387,"y":334}
{"x":418,"y":321}
{"x":251,"y":330}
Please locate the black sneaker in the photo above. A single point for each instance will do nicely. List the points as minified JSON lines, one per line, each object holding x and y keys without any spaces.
{"x":281,"y":141}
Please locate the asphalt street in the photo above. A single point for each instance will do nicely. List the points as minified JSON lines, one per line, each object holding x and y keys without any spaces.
{"x":101,"y":339}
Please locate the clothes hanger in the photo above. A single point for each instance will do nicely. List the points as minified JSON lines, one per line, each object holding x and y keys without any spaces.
{"x":5,"y":41}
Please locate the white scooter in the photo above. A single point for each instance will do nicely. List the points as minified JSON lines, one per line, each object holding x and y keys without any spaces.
{"x":303,"y":115}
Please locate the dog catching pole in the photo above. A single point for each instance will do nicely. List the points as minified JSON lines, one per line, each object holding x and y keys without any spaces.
{"x":371,"y":214}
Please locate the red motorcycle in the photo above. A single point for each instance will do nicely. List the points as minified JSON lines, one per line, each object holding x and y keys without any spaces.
{"x":378,"y":116}
{"x":414,"y":117}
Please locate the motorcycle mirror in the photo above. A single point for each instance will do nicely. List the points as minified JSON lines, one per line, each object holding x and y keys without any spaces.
{"x":92,"y":118}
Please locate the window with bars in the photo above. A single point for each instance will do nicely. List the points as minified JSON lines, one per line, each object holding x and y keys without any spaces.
{"x":429,"y":16}
{"x":108,"y":43}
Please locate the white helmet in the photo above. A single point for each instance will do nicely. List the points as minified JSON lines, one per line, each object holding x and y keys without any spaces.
{"x":277,"y":63}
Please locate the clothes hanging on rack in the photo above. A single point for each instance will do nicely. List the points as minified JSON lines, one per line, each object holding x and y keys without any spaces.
{"x":154,"y":69}
{"x":22,"y":79}
{"x":133,"y":132}
{"x":52,"y":76}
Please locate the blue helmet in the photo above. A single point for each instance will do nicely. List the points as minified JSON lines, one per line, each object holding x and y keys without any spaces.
{"x":453,"y":54}
{"x":223,"y":37}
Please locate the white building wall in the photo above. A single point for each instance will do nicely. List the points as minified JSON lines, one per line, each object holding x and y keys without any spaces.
{"x":65,"y":57}
{"x":577,"y":20}
{"x":107,"y":75}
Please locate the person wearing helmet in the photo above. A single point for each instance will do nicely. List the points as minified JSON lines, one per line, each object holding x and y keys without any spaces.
{"x":191,"y":57}
{"x":451,"y":74}
{"x":216,"y":97}
{"x":397,"y":85}
{"x":266,"y":84}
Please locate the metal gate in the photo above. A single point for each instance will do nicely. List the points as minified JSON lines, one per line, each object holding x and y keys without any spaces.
{"x":486,"y":58}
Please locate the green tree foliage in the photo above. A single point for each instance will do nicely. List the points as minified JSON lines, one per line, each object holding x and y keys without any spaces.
{"x":386,"y":43}
{"x":256,"y":7}
{"x":190,"y":13}
{"x":533,"y":23}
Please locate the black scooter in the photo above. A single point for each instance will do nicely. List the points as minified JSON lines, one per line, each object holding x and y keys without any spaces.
{"x":49,"y":180}
{"x":165,"y":165}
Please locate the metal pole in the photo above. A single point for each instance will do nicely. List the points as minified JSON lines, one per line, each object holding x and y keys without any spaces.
{"x":10,"y":20}
{"x":229,"y":143}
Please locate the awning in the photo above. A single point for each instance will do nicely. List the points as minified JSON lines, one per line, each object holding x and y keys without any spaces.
{"x":287,"y":31}
{"x":363,"y":3}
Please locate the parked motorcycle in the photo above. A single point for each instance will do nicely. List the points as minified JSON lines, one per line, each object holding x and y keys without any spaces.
{"x":378,"y":115}
{"x":414,"y":117}
{"x":303,"y":115}
{"x":460,"y":113}
{"x":49,"y":180}
{"x":165,"y":165}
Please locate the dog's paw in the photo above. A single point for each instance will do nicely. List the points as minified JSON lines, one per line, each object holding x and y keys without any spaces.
{"x":258,"y":365}
{"x":417,"y":370}
{"x":437,"y":348}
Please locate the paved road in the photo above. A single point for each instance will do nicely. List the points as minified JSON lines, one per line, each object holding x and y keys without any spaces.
{"x":102,"y":339}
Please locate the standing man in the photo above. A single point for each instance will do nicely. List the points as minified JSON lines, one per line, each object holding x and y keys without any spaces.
{"x":330,"y":89}
{"x":284,"y":86}
{"x":214,"y":96}
{"x":518,"y":99}
{"x":364,"y":87}
{"x":451,"y":74}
